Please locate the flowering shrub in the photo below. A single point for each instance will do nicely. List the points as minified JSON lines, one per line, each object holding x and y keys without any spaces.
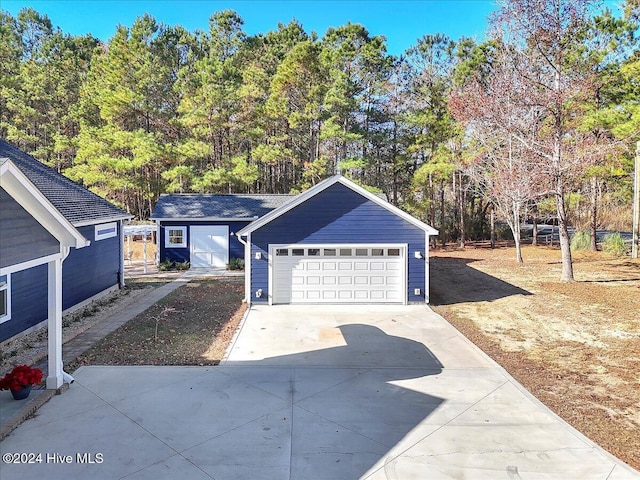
{"x":21,"y":376}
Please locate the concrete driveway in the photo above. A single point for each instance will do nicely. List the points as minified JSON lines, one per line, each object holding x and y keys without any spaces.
{"x":319,"y":392}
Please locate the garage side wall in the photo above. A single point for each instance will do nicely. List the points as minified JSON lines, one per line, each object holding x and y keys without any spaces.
{"x":236,"y":249}
{"x":333,"y":216}
{"x":88,"y":271}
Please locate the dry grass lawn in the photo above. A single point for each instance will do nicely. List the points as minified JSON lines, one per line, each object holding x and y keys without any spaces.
{"x":576,"y":346}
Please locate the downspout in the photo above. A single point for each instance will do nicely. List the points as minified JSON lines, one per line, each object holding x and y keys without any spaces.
{"x":247,"y":268}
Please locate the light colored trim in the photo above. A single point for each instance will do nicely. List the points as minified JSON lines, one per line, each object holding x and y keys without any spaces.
{"x":105,"y":226}
{"x":16,"y":184}
{"x":30,"y":264}
{"x":121,"y":246}
{"x":247,"y":267}
{"x":404,"y":247}
{"x":313,"y":191}
{"x":7,"y":316}
{"x":86,"y":223}
{"x":203,"y":219}
{"x":175,"y":245}
{"x":426,"y":269}
{"x":54,"y":324}
{"x":158,"y":244}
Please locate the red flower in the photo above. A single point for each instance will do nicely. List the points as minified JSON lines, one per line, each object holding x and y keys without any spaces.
{"x":21,"y":376}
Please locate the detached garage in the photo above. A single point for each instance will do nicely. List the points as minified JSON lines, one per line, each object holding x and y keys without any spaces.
{"x":336,"y":243}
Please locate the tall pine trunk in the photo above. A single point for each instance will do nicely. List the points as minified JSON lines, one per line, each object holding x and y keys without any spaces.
{"x":594,"y":214}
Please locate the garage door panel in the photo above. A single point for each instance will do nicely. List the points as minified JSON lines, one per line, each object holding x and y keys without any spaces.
{"x":345,"y":294}
{"x":374,"y":274}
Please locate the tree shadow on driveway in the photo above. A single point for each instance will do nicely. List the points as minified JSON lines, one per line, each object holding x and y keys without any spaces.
{"x":351,"y":404}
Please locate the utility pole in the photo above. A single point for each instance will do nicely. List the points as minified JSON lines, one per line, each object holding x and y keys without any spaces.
{"x":635,"y":239}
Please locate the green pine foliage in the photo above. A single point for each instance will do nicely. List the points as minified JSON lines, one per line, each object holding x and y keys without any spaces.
{"x":158,"y":109}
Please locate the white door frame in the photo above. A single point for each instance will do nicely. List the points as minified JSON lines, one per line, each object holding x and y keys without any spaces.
{"x":191,"y":242}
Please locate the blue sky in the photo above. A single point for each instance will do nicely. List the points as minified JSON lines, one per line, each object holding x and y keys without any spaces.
{"x":402,"y":22}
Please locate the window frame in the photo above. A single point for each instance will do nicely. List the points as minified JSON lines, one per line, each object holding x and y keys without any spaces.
{"x":111,"y":229}
{"x":167,"y":237}
{"x":7,"y":298}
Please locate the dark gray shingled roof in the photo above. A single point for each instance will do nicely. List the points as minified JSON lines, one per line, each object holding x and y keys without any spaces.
{"x":192,"y":205}
{"x":76,"y":203}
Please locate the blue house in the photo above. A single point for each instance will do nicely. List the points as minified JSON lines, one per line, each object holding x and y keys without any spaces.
{"x":337,"y":243}
{"x":201,"y":228}
{"x":60,"y":246}
{"x":334,"y":243}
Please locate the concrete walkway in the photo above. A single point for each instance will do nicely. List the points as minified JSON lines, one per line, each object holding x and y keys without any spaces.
{"x":311,"y":393}
{"x":13,"y":413}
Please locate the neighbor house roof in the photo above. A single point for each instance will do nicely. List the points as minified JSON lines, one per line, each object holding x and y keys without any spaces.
{"x":76,"y":203}
{"x":193,"y":206}
{"x":303,"y":197}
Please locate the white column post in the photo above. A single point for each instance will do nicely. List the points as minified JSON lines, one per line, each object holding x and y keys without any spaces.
{"x":54,"y":280}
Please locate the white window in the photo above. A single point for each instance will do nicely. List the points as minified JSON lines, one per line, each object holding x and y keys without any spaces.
{"x":5,"y":298}
{"x":175,"y":237}
{"x":106,"y":230}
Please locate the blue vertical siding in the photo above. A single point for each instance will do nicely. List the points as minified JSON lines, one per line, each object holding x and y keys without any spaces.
{"x":236,"y":249}
{"x":338,"y":215}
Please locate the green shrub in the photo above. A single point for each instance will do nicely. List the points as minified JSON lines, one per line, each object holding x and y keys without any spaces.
{"x":186,"y":265}
{"x":613,"y":244}
{"x":235,"y":264}
{"x":581,"y":241}
{"x":166,"y":265}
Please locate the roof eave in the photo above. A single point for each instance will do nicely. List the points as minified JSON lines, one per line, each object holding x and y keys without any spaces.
{"x":97,"y":221}
{"x":16,"y":184}
{"x":205,"y":219}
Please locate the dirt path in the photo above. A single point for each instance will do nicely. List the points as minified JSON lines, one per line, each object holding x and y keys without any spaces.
{"x":576,"y":346}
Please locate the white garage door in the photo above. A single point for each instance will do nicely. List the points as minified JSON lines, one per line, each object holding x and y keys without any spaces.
{"x":338,"y":274}
{"x":209,"y":246}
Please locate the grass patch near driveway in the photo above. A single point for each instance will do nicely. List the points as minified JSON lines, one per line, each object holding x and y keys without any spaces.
{"x":191,"y":326}
{"x":575,"y":346}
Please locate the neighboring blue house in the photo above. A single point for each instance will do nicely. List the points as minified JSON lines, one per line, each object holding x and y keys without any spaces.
{"x":334,"y":243}
{"x":42,"y":210}
{"x":201,"y":228}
